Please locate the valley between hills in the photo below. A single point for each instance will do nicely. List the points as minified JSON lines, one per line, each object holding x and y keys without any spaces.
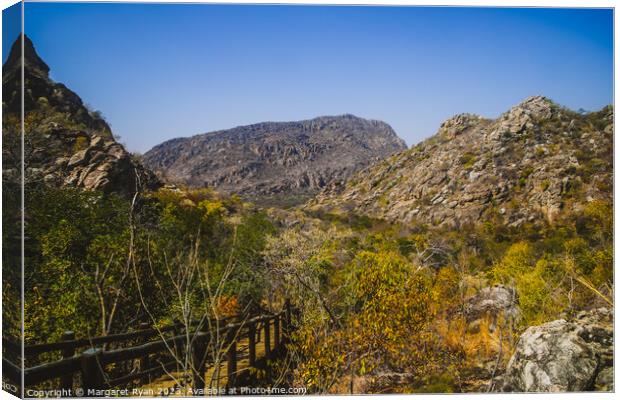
{"x":479,"y":260}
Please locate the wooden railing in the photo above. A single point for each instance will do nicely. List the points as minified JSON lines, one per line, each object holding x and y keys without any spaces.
{"x":88,"y":358}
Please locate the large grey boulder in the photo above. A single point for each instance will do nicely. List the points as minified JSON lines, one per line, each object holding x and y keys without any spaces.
{"x":558,"y":356}
{"x":492,"y":302}
{"x":105,"y":165}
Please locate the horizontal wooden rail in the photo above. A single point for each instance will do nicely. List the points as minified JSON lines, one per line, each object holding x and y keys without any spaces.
{"x":35,"y":349}
{"x":130,"y":353}
{"x":51,"y":370}
{"x":92,"y":361}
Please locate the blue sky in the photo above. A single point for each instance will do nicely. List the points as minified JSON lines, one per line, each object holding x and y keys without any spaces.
{"x":11,"y":27}
{"x":160,"y":71}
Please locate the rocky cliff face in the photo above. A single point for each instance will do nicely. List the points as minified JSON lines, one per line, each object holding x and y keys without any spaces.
{"x":276,"y":160}
{"x":533,"y":162}
{"x":65,"y":144}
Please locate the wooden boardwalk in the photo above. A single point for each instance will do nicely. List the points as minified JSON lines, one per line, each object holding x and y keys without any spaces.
{"x":215,"y":377}
{"x":134,"y":361}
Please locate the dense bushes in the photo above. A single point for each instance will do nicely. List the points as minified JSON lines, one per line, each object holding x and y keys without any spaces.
{"x":99,"y":264}
{"x":393,"y":299}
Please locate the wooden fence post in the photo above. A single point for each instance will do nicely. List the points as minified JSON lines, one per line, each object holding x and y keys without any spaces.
{"x":276,"y":332}
{"x":145,"y":362}
{"x":232,"y":358}
{"x":258,"y":331}
{"x":92,"y":375}
{"x":177,"y":348}
{"x":66,"y":381}
{"x":252,"y":344}
{"x":199,"y":355}
{"x":267,"y":338}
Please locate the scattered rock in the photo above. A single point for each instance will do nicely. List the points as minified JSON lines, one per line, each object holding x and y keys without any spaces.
{"x":79,"y":158}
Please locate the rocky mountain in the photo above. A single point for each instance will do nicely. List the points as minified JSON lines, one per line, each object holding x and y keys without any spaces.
{"x":279,"y":161}
{"x":534,"y":161}
{"x":65,"y":143}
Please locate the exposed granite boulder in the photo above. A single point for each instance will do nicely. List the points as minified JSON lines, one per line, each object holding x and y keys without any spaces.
{"x":558,"y":356}
{"x":102,"y":164}
{"x":492,"y":303}
{"x":106,"y":166}
{"x":459,"y":124}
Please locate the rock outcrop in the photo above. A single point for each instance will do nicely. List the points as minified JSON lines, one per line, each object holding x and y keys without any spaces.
{"x":530,"y":164}
{"x":65,"y":144}
{"x":38,"y":86}
{"x":102,"y":165}
{"x":281,"y":161}
{"x":559,"y":356}
{"x":492,"y":303}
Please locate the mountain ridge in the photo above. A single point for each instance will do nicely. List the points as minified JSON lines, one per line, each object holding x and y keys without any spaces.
{"x":527,"y":164}
{"x":275,"y":159}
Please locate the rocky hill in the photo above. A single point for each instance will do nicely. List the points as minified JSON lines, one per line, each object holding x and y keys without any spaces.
{"x":276,"y":161}
{"x":534,"y":161}
{"x":65,"y":143}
